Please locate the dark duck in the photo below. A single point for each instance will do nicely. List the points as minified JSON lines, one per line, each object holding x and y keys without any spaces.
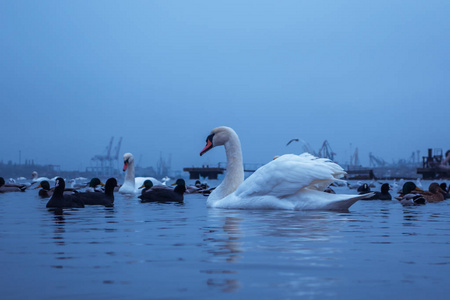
{"x":165,"y":195}
{"x":410,"y":195}
{"x":434,"y":193}
{"x":7,"y":187}
{"x":45,"y":191}
{"x":382,"y":195}
{"x":95,"y":185}
{"x":59,"y":200}
{"x":148,"y":184}
{"x":99,"y":198}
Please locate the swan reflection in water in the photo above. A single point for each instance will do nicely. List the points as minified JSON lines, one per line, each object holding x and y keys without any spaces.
{"x":227,"y":247}
{"x":237,"y":238}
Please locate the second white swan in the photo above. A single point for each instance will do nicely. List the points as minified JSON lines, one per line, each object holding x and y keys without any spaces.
{"x":131,"y":183}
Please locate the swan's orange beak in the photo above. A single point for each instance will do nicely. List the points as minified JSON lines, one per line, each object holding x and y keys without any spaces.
{"x":208,"y":146}
{"x":37,"y":187}
{"x":125,"y":165}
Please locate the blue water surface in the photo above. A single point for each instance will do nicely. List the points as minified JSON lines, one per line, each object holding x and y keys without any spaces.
{"x":377,"y":250}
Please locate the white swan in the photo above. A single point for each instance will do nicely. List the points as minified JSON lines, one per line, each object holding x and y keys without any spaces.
{"x":36,"y":178}
{"x":293,"y":182}
{"x":131,"y":184}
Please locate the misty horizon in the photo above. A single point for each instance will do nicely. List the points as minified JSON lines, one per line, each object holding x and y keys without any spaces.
{"x":370,"y":75}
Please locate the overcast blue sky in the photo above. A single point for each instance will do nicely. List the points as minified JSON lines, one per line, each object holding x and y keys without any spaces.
{"x":161,"y":74}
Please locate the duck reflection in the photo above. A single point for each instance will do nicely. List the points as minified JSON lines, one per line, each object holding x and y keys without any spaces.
{"x":411,"y":216}
{"x":59,"y":230}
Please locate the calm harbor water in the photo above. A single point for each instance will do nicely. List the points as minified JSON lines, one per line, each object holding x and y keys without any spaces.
{"x":379,"y":249}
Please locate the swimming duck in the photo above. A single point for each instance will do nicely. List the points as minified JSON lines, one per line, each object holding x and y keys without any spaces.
{"x":99,"y":198}
{"x":59,"y":200}
{"x":292,"y":182}
{"x":383,"y":194}
{"x":95,"y":185}
{"x":7,"y":188}
{"x":45,"y":191}
{"x":434,"y":193}
{"x":148,"y":184}
{"x":131,"y":184}
{"x":198,"y":187}
{"x":410,"y":195}
{"x":363,"y":189}
{"x":165,"y":195}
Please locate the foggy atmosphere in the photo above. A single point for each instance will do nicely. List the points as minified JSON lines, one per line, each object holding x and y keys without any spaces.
{"x":370,"y":76}
{"x":136,"y":95}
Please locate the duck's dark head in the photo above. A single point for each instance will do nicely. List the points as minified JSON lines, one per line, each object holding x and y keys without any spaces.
{"x":2,"y":181}
{"x":385,"y":188}
{"x":408,"y":187}
{"x":44,"y":184}
{"x":180,"y":186}
{"x":111,"y":183}
{"x":364,"y":188}
{"x":148,"y":184}
{"x":179,"y":181}
{"x":60,"y":184}
{"x":94,"y":182}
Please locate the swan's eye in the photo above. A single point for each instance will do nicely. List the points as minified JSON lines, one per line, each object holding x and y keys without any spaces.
{"x":210,"y":138}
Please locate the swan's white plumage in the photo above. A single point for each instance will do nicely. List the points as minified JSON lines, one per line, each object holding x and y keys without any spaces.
{"x":294,"y":182}
{"x":131,"y":183}
{"x":36,"y":178}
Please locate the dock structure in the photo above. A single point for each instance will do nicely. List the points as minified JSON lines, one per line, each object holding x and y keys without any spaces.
{"x":213,"y":172}
{"x":431,"y":166}
{"x":205,"y":171}
{"x":360,"y":174}
{"x":433,"y":173}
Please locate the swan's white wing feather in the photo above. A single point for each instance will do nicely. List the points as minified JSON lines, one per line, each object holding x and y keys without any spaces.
{"x":305,"y":200}
{"x":290,"y":173}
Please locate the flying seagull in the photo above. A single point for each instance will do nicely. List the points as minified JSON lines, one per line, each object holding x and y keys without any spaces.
{"x":293,"y":140}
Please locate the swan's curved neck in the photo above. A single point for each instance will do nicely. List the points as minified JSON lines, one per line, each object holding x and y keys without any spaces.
{"x":129,"y":176}
{"x":235,"y":170}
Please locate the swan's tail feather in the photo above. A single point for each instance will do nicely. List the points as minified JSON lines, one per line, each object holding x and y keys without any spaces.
{"x":344,"y":205}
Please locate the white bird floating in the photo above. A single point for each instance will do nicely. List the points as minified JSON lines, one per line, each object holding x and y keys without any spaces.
{"x":291,"y":182}
{"x":165,"y":180}
{"x":131,"y":184}
{"x":36,"y":178}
